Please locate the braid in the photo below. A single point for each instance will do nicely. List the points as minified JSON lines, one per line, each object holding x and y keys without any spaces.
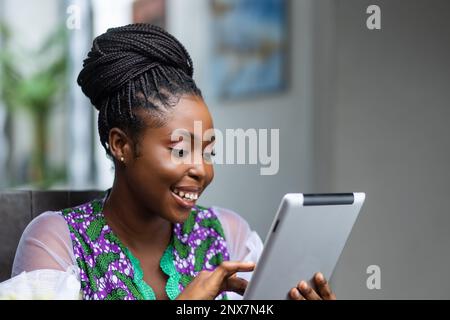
{"x":131,"y":67}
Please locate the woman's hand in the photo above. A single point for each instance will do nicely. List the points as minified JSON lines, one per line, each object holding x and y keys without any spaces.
{"x":304,"y":292}
{"x":209,"y":284}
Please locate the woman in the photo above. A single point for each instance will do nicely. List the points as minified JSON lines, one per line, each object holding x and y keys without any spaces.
{"x":147,"y":238}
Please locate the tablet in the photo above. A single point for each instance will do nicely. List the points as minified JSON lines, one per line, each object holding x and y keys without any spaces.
{"x":307,"y":235}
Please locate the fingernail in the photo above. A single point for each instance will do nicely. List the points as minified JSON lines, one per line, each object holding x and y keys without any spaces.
{"x":320,"y":277}
{"x":296,"y":294}
{"x":303,"y":285}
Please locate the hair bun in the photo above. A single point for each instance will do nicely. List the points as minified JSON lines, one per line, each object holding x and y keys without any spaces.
{"x":122,"y":54}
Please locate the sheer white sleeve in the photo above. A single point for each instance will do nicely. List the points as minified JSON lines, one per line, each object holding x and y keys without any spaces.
{"x":243,"y":243}
{"x":45,"y":244}
{"x":44,"y":266}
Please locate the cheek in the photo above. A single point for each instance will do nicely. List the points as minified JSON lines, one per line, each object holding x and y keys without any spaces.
{"x":154,"y":169}
{"x":209,"y":174}
{"x":155,"y":172}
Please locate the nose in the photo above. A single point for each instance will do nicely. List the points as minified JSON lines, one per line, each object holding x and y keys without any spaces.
{"x":197,"y":171}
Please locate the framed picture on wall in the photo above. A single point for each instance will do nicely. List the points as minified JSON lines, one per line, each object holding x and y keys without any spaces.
{"x":150,"y":11}
{"x":249,"y":47}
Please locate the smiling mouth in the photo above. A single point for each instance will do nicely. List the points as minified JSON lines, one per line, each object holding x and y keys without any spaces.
{"x":185,"y":198}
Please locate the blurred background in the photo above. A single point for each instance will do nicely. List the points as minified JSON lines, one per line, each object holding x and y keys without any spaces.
{"x":357,"y":109}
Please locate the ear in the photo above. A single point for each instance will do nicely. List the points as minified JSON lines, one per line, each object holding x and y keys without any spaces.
{"x":120,"y":145}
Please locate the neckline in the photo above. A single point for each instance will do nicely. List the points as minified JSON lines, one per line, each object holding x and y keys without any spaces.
{"x":166,"y":264}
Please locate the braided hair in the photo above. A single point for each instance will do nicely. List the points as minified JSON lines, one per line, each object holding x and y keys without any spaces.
{"x":131,"y":68}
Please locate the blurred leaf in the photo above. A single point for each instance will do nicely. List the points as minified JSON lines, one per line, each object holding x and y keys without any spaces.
{"x":57,"y":38}
{"x":34,"y":90}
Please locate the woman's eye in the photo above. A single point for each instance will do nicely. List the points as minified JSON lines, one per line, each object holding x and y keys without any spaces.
{"x":179,"y":152}
{"x":208,"y":155}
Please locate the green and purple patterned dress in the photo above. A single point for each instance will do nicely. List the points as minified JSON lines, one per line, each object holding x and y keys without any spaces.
{"x":109,"y":271}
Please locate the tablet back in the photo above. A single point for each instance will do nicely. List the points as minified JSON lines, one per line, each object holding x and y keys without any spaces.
{"x":307,"y":235}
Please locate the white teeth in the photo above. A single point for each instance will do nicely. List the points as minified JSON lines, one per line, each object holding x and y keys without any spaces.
{"x":186,"y":195}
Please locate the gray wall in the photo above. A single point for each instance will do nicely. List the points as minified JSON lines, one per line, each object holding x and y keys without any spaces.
{"x":382,"y":126}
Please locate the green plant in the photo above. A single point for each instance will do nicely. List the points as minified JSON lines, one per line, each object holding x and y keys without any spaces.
{"x":34,"y":90}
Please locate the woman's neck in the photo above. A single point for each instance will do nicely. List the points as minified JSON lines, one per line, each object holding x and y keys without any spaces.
{"x":137,"y":228}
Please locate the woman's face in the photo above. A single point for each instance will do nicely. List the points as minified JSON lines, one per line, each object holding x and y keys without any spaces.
{"x":162,"y":177}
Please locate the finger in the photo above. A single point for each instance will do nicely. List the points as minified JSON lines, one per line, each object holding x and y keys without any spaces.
{"x":228,"y":268}
{"x":308,"y":292}
{"x":323,"y":287}
{"x":236,"y":284}
{"x":294,"y":294}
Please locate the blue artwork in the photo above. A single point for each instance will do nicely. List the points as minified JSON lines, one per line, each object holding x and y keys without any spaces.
{"x":248,"y":47}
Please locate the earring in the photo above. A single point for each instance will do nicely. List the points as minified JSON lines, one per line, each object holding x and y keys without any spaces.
{"x":122,"y":159}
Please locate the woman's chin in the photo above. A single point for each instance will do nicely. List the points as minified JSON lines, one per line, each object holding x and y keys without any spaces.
{"x":180,"y":215}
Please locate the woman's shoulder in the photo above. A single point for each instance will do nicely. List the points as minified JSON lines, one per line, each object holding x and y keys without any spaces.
{"x":244,"y":243}
{"x":44,"y":244}
{"x":48,"y":228}
{"x":46,"y":221}
{"x":230,"y":218}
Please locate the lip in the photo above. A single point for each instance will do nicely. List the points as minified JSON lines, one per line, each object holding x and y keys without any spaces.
{"x":188,"y":188}
{"x":181,"y":202}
